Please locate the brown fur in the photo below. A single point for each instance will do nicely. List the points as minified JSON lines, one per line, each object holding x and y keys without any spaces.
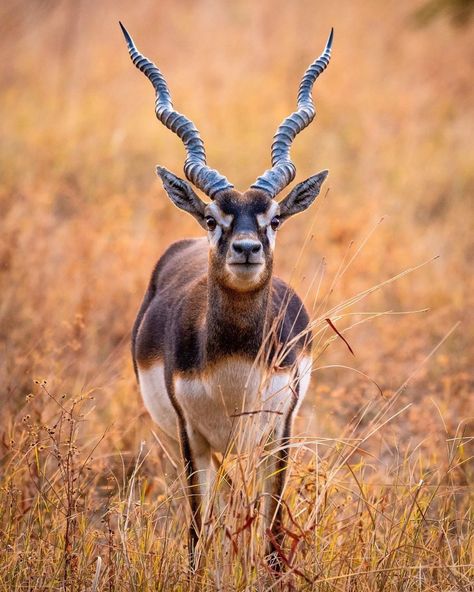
{"x":190,"y":322}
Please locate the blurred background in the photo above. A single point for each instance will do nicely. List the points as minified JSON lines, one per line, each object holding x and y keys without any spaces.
{"x":83,"y":217}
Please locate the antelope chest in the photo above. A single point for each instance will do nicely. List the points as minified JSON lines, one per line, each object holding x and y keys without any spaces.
{"x":224,"y":400}
{"x":232,"y":395}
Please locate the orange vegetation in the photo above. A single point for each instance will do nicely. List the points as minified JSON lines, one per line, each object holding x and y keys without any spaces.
{"x":83,"y":219}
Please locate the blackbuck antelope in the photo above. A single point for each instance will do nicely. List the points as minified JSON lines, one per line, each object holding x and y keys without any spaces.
{"x":218,"y":337}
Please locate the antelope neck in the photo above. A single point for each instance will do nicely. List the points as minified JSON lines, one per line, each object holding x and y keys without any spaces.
{"x":235,"y":321}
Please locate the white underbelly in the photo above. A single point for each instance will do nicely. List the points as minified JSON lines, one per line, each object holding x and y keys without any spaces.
{"x":226,"y":402}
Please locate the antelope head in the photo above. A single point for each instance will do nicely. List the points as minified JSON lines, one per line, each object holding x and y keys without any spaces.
{"x":241,"y":227}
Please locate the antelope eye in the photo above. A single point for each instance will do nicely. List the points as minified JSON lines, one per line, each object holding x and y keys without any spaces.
{"x":275,"y":223}
{"x":211,"y":223}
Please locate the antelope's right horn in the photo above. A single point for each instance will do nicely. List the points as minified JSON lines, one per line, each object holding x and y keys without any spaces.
{"x":195,"y":168}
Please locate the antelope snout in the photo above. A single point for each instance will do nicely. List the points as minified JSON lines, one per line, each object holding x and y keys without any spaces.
{"x":245,"y":250}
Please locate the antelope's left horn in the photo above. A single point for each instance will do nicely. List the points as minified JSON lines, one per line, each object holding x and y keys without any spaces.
{"x":283,"y":170}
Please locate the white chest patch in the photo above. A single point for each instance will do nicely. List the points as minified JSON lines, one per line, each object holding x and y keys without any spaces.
{"x":216,"y":403}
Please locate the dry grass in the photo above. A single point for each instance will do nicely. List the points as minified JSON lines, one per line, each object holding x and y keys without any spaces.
{"x":380,"y":489}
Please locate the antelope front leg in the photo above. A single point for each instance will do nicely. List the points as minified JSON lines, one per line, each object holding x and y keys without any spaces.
{"x":277,"y":466}
{"x":196,"y":454}
{"x":275,"y":469}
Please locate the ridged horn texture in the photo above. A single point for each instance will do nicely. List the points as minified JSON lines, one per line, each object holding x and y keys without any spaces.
{"x":195,"y":168}
{"x":283,"y":171}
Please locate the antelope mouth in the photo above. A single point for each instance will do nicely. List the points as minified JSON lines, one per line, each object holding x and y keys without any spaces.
{"x":245,"y":269}
{"x":248,"y":265}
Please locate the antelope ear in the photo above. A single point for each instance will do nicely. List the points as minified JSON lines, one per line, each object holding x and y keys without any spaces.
{"x":302,"y":196}
{"x":182,"y":195}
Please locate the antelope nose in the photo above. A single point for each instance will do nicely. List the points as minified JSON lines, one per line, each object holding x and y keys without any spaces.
{"x":246,"y":247}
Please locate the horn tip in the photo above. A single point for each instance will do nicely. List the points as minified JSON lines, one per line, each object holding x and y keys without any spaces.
{"x":126,"y":34}
{"x":330,"y":39}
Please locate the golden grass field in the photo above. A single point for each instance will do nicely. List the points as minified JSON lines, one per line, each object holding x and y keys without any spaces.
{"x":380,"y":491}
